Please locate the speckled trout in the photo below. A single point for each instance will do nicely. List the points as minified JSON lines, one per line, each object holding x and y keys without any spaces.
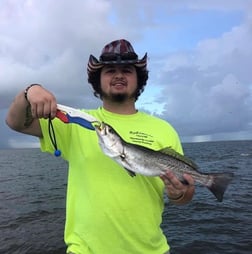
{"x":142,"y":160}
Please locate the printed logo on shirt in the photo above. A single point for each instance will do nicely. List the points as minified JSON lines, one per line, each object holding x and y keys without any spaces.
{"x":141,"y":138}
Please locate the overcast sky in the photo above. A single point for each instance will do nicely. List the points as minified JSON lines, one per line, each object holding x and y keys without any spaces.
{"x":199,"y":58}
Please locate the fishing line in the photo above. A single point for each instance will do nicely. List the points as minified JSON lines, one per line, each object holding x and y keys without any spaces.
{"x":52,"y":136}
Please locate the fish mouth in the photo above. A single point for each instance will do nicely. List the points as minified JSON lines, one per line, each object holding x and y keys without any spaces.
{"x":99,"y":126}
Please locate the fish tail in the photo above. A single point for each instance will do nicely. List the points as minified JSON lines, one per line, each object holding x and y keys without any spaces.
{"x":219,"y":184}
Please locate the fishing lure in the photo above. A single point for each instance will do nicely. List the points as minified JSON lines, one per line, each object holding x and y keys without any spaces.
{"x":69,"y":115}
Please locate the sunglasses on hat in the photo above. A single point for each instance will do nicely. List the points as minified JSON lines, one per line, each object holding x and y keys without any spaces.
{"x":127,"y":57}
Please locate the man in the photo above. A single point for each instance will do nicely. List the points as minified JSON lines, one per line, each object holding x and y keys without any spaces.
{"x":107,"y":210}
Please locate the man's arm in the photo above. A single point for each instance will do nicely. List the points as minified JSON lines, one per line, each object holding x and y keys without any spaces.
{"x":24,"y":113}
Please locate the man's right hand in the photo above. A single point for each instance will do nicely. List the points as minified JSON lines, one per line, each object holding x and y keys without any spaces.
{"x":24,"y":112}
{"x":43,"y":103}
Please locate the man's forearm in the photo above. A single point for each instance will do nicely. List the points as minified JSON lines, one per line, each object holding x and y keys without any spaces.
{"x":26,"y":109}
{"x":19,"y":116}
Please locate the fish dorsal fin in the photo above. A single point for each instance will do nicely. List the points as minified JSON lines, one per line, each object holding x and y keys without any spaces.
{"x":171,"y":152}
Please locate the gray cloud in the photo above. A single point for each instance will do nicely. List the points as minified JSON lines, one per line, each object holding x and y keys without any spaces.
{"x":209,"y":90}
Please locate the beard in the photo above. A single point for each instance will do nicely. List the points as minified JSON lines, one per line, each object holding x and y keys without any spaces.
{"x":118,"y":97}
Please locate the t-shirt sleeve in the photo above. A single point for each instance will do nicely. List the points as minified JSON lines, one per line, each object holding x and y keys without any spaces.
{"x":168,"y":136}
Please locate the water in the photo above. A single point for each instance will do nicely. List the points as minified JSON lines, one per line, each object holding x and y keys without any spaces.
{"x":32,"y":203}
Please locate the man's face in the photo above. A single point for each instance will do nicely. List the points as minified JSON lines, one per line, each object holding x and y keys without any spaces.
{"x":118,"y":82}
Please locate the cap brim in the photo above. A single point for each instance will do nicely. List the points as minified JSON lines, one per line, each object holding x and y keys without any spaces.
{"x":94,"y":64}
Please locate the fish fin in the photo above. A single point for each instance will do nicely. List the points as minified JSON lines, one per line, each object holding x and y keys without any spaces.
{"x":171,"y":152}
{"x":131,"y":173}
{"x":219,"y":184}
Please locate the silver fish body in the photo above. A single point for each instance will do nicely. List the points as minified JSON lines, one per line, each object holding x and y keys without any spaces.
{"x":138,"y":159}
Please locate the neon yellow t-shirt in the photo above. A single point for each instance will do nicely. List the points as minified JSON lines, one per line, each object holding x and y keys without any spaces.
{"x":108,"y":211}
